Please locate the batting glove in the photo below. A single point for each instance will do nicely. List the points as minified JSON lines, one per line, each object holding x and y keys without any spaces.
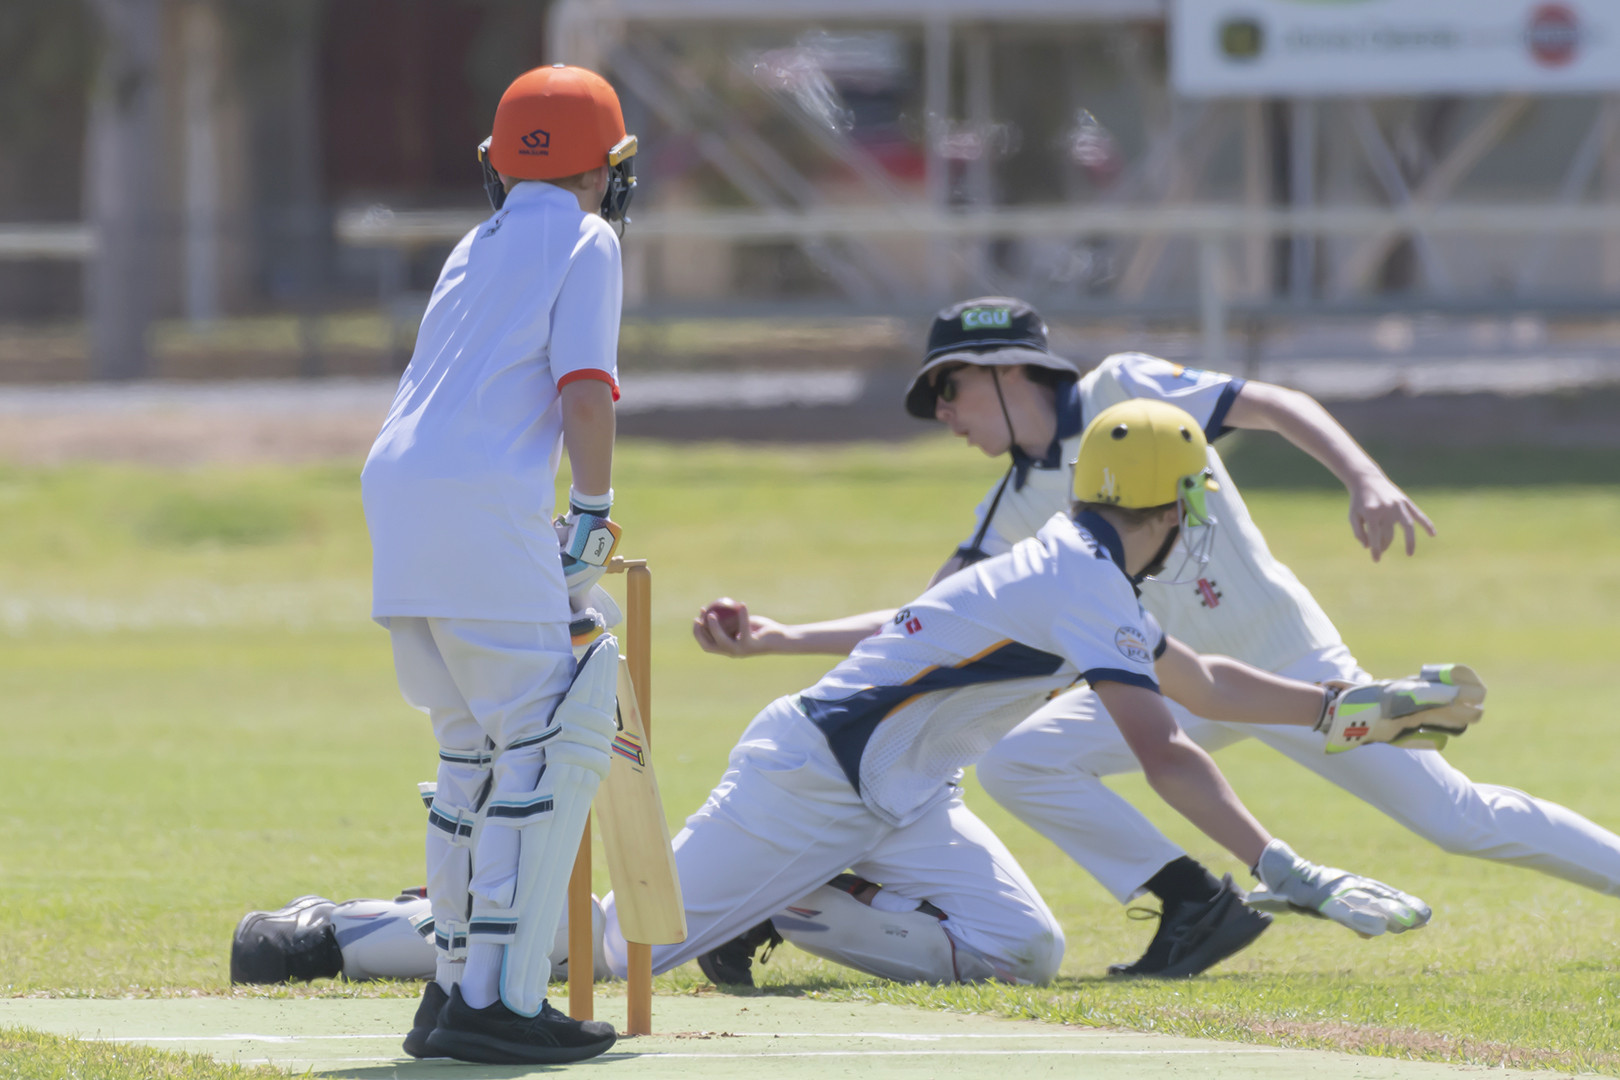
{"x":588,"y":540}
{"x":1369,"y":907}
{"x":592,"y":617}
{"x":1418,"y":712}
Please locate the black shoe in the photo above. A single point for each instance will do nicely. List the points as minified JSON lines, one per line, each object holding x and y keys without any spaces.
{"x":496,"y":1035}
{"x":426,"y":1019}
{"x":732,"y":963}
{"x":293,"y":942}
{"x":1194,"y":937}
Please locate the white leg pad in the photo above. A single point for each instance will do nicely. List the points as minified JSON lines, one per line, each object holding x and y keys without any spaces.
{"x":453,"y":820}
{"x":909,"y":946}
{"x":531,"y":827}
{"x":383,"y":939}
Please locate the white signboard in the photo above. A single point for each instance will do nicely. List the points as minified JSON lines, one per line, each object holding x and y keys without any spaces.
{"x":1319,"y":48}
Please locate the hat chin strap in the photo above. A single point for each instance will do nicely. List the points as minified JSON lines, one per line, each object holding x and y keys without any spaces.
{"x":1012,"y":436}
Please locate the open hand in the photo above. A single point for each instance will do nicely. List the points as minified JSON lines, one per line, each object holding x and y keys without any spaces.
{"x":1377,"y":509}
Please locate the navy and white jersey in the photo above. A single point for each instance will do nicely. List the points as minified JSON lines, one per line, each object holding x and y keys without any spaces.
{"x":1246,"y":603}
{"x":961,"y":665}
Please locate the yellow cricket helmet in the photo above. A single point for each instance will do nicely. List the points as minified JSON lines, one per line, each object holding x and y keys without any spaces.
{"x":1143,"y":453}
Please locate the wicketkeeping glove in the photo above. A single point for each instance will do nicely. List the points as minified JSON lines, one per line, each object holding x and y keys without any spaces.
{"x":588,"y":541}
{"x":1370,"y":908}
{"x":1418,"y":712}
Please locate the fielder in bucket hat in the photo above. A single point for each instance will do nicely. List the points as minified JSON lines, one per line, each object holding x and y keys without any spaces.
{"x":990,"y":331}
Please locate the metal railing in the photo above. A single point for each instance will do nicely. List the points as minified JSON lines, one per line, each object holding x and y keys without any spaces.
{"x":1212,"y":228}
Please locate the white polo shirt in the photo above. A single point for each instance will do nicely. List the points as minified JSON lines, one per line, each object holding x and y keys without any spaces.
{"x":460,"y":486}
{"x":1246,"y":603}
{"x":960,"y":666}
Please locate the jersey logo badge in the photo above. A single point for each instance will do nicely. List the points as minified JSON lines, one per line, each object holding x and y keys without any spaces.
{"x":1133,"y":643}
{"x":494,"y":227}
{"x":537,"y":142}
{"x":1208,"y":594}
{"x":905,"y":618}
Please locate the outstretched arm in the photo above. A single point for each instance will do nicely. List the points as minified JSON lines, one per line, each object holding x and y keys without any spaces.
{"x":1181,"y":772}
{"x":1419,"y":711}
{"x":1377,"y":505}
{"x":758,"y":636}
{"x":1221,"y":688}
{"x":1184,"y":776}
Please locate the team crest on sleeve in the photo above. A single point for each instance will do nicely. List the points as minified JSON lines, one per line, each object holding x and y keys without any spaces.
{"x":1133,"y":644}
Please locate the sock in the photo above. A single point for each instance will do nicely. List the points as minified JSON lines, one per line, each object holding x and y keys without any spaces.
{"x":1183,"y":881}
{"x":481,"y":982}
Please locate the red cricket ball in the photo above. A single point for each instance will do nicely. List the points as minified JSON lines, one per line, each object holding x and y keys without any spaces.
{"x":730,"y":614}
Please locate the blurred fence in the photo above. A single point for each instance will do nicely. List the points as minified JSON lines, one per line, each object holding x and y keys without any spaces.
{"x":361,"y":314}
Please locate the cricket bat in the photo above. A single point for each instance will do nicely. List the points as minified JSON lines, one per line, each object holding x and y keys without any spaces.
{"x":646,"y":888}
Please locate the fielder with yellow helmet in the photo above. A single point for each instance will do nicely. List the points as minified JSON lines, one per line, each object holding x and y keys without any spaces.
{"x":1148,"y":455}
{"x":869,"y":752}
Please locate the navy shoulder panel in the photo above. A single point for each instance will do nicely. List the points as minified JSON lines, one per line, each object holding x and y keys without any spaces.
{"x":849,"y":722}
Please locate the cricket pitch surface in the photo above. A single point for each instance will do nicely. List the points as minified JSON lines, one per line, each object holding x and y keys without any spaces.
{"x":711,"y":1036}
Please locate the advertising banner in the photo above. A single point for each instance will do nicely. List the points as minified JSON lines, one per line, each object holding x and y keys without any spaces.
{"x":1321,"y":48}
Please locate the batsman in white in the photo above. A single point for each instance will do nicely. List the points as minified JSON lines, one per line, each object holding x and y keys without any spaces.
{"x":990,"y":375}
{"x":858,"y":771}
{"x":515,"y":361}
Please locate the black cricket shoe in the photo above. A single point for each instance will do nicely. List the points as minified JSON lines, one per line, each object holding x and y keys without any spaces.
{"x":426,"y":1019}
{"x":1193,"y":937}
{"x":495,"y":1035}
{"x":292,"y":942}
{"x":732,"y":963}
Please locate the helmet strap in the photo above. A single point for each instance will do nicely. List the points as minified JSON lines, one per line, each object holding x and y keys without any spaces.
{"x":1160,"y":558}
{"x":494,"y":190}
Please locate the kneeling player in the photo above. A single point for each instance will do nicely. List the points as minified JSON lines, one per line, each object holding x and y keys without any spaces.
{"x":857,"y":772}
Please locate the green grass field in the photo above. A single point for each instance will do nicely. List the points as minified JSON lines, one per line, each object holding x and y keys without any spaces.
{"x":200,"y":719}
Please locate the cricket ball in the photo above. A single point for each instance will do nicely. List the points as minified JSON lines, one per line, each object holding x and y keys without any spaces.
{"x":730,"y":614}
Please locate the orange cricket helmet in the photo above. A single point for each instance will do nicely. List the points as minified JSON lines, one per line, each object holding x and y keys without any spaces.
{"x":553,"y":122}
{"x":560,"y":121}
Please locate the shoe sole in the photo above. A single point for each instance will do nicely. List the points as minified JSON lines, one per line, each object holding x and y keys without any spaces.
{"x":1226,"y":940}
{"x":487,"y":1050}
{"x":415,"y":1043}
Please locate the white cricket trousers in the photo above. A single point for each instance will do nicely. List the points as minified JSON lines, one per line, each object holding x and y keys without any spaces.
{"x":483,"y":684}
{"x":1048,"y":771}
{"x":784,"y":820}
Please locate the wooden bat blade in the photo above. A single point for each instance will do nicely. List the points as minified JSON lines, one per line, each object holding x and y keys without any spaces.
{"x":635,"y":837}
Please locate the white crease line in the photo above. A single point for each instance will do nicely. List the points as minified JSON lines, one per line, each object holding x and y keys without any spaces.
{"x":230,"y":1038}
{"x":903,"y":1035}
{"x":324,"y":1062}
{"x":963,"y":1053}
{"x":692,"y":1035}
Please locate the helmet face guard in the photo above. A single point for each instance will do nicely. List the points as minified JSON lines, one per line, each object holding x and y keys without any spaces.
{"x":1197,"y":530}
{"x":493,"y":188}
{"x":621,"y":187}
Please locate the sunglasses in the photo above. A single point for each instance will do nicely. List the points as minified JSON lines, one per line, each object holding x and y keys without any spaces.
{"x":945,"y":384}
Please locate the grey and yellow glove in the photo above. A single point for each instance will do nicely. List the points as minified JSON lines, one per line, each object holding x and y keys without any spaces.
{"x":1289,"y":883}
{"x":1418,"y":712}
